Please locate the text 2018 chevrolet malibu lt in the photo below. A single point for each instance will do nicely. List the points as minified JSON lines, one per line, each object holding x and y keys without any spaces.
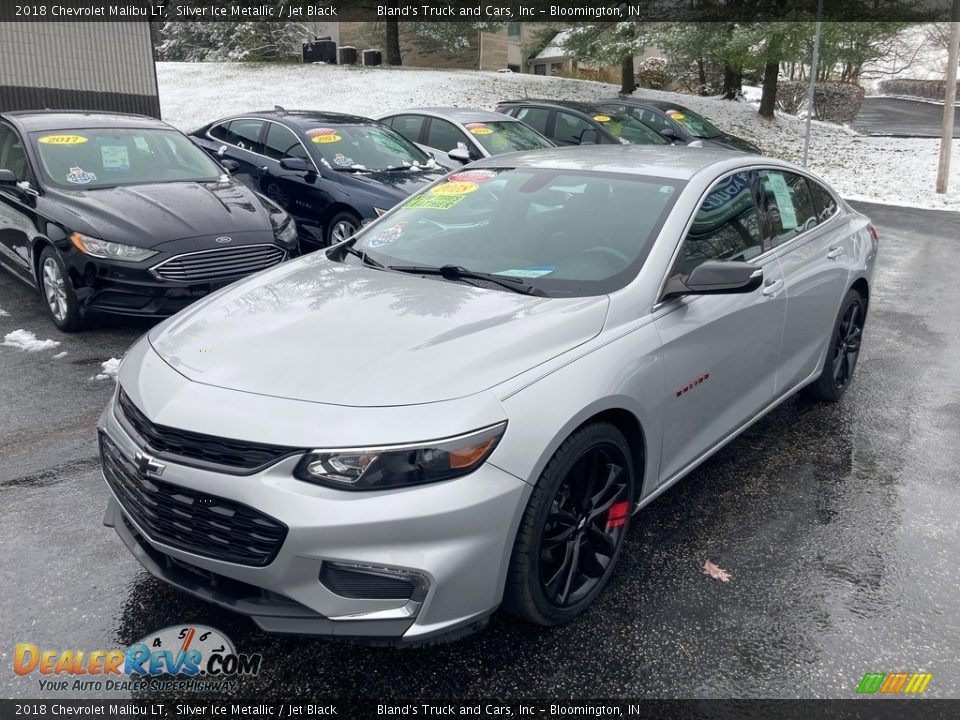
{"x":462,"y":406}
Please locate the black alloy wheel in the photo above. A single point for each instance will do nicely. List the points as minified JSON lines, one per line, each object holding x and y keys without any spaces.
{"x":843,"y":352}
{"x":572,"y":531}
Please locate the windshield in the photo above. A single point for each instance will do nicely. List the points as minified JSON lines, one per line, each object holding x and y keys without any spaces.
{"x":630,"y":129}
{"x":365,"y":147}
{"x":108,"y":157}
{"x":694,"y":124}
{"x":504,"y":137}
{"x":568,"y":233}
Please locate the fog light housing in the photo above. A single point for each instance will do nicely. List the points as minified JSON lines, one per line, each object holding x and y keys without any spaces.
{"x":369,"y":582}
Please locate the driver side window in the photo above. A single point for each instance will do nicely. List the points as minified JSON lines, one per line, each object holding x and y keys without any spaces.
{"x":726,"y":227}
{"x":13,"y":157}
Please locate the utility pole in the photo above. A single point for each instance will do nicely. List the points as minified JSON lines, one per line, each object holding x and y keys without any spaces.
{"x":949,"y":99}
{"x":813,"y":80}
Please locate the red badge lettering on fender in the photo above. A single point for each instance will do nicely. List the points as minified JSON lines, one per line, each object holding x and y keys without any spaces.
{"x":691,"y":385}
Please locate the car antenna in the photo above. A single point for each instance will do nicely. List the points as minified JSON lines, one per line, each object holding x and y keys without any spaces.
{"x":279,"y":108}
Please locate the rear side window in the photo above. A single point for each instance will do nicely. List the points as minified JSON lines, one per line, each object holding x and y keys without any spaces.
{"x":282,"y":143}
{"x":651,"y":118}
{"x":407,"y":125}
{"x":534,"y":117}
{"x":571,"y":130}
{"x":826,"y":205}
{"x":726,"y":227}
{"x":13,"y":157}
{"x":244,"y":134}
{"x":789,"y":205}
{"x":444,"y":136}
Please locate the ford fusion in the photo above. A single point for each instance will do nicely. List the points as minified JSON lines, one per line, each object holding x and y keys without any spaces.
{"x":463,"y":406}
{"x":123,"y":214}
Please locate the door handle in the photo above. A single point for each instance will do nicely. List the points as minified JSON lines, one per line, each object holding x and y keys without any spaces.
{"x":835,"y":252}
{"x":772,"y":287}
{"x":263,"y":168}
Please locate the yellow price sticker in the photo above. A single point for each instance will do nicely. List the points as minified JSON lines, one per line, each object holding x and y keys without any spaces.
{"x":324,"y":139}
{"x":454,"y":188}
{"x":63,"y":139}
{"x":602,"y":118}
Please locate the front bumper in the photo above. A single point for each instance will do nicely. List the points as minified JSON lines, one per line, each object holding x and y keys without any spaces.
{"x":133,"y":289}
{"x":456,"y":535}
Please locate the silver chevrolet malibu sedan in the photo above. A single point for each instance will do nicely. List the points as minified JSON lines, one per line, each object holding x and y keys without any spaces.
{"x":464,"y":406}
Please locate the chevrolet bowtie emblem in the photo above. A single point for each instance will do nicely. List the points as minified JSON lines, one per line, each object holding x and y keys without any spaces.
{"x":148,"y":466}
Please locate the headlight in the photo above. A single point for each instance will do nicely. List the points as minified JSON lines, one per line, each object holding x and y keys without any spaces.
{"x":109,"y":250}
{"x":379,"y":468}
{"x":284,"y":228}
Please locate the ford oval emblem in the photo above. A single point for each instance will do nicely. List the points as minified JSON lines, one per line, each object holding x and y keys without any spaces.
{"x":223,"y":239}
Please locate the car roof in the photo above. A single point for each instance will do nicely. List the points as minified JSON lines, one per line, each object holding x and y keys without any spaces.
{"x":580,"y":106}
{"x":306,"y":118}
{"x":457,"y":114}
{"x":658,"y":104}
{"x":39,"y":120}
{"x":679,"y":163}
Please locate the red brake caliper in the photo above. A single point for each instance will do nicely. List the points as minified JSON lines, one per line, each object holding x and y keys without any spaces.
{"x":617,"y":515}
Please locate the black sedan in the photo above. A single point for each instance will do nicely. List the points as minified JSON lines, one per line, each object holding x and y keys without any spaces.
{"x":677,"y":123}
{"x":330,"y":171}
{"x":123,"y":214}
{"x":576,"y":123}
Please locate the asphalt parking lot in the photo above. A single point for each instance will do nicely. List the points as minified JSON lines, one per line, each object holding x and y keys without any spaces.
{"x":839,"y":525}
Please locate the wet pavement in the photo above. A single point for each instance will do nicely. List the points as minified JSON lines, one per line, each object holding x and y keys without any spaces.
{"x":838,"y":523}
{"x":901,"y":117}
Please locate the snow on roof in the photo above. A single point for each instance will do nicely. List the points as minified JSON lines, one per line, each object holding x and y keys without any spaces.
{"x":556,"y":48}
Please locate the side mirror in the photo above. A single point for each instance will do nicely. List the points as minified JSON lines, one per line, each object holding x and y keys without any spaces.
{"x":294,"y":164}
{"x":460,"y":154}
{"x":7,"y":178}
{"x":670,"y":134}
{"x":231,"y":166}
{"x":588,"y":137}
{"x":719,"y":276}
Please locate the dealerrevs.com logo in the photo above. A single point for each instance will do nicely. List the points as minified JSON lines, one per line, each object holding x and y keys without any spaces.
{"x":195,"y":656}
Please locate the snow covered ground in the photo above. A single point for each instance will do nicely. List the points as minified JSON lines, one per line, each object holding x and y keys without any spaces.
{"x":888,"y":170}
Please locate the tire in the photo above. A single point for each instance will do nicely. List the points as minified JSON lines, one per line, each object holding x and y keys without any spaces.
{"x":844,"y":349}
{"x":553,"y":526}
{"x":338,"y":226}
{"x":57,"y":292}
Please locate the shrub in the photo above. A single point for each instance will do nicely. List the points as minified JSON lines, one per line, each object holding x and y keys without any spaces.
{"x":652,"y":73}
{"x":931,"y":89}
{"x":832,"y":101}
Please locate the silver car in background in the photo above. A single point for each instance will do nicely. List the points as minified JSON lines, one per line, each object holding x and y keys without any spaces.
{"x":463,"y":406}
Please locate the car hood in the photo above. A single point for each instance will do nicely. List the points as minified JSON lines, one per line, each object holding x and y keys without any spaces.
{"x":329,"y":332}
{"x":732,"y":142}
{"x":395,"y":185}
{"x":147,"y":215}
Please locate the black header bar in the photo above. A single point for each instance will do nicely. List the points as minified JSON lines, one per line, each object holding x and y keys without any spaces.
{"x":475,"y":10}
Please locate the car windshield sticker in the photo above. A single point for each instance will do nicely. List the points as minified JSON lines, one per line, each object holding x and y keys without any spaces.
{"x":388,"y":236}
{"x":778,"y":185}
{"x":79,"y":176}
{"x":454,"y":188}
{"x":529,"y":272}
{"x":321,"y":136}
{"x":602,"y":118}
{"x":141,"y":143}
{"x":433,"y":202}
{"x":341,"y":160}
{"x":479,"y":129}
{"x":114,"y":157}
{"x":62,"y":139}
{"x":675,"y":114}
{"x":472,"y":176}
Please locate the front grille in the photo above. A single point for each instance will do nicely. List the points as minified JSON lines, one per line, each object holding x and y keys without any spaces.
{"x":219,"y":263}
{"x":188,"y":520}
{"x":225,"y":452}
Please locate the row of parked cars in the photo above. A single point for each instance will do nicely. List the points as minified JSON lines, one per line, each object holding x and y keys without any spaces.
{"x":123,"y":214}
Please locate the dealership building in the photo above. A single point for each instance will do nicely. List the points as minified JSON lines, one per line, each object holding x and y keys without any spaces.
{"x":78,"y":65}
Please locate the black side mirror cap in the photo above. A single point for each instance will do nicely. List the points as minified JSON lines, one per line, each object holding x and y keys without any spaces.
{"x":724,"y":276}
{"x":589,"y":137}
{"x":7,"y":178}
{"x":294,"y":164}
{"x":670,"y":134}
{"x":231,"y":166}
{"x":459,"y":154}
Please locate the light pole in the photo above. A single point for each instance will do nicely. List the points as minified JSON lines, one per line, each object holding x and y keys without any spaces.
{"x":949,"y":98}
{"x":813,"y":80}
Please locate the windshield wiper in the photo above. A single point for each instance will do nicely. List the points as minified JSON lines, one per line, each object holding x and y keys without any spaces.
{"x":455,"y":272}
{"x":353,"y":169}
{"x":367,"y":260}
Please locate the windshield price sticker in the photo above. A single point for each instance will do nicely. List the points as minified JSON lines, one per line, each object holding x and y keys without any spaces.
{"x":321,"y":136}
{"x":675,"y":114}
{"x":454,"y":188}
{"x":479,"y":129}
{"x":781,"y":193}
{"x":530,"y":272}
{"x":472,"y":176}
{"x":602,"y":118}
{"x":62,"y":139}
{"x":433,"y":202}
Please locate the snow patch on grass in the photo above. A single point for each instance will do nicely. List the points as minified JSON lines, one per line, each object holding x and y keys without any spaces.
{"x":4,"y":313}
{"x":108,"y":369}
{"x":899,"y":171}
{"x":26,"y":340}
{"x":60,"y":355}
